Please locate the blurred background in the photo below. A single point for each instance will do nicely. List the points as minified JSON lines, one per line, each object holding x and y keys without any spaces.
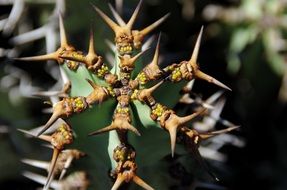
{"x":243,"y":46}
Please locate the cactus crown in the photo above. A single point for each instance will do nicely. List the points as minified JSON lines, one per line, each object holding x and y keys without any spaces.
{"x":129,"y":90}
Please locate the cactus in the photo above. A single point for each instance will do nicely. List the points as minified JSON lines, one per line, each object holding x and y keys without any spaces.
{"x":123,"y":102}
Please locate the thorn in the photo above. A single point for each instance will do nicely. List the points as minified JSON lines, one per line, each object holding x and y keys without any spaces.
{"x":148,"y":42}
{"x":121,"y":57}
{"x":225,"y":130}
{"x":199,"y":74}
{"x":213,"y":116}
{"x":66,"y":166}
{"x":186,"y":99}
{"x":154,"y":87}
{"x":151,"y":27}
{"x":27,"y":132}
{"x":35,"y":177}
{"x":207,"y":106}
{"x":110,"y":45}
{"x":188,"y":86}
{"x":91,"y":45}
{"x":118,"y":182}
{"x":48,"y":146}
{"x":133,"y":129}
{"x":215,"y":133}
{"x":156,"y":53}
{"x":146,"y":94}
{"x":46,"y":94}
{"x":52,"y":129}
{"x":64,"y":42}
{"x":193,"y":62}
{"x":134,"y":16}
{"x":57,"y":113}
{"x":183,"y":120}
{"x":134,"y":58}
{"x":125,"y":126}
{"x":45,"y":138}
{"x":52,"y":169}
{"x":40,"y":179}
{"x":36,"y":163}
{"x":214,"y":97}
{"x":173,"y":123}
{"x":66,"y":88}
{"x":225,"y":122}
{"x":42,"y":137}
{"x":141,"y":183}
{"x":51,"y":56}
{"x":103,"y":130}
{"x":111,"y":23}
{"x":118,"y":18}
{"x":119,"y":6}
{"x":172,"y":133}
{"x":93,"y":85}
{"x":197,"y":156}
{"x":48,"y":103}
{"x":193,"y":59}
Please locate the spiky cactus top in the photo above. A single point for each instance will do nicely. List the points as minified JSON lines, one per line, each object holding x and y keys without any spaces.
{"x":126,"y":86}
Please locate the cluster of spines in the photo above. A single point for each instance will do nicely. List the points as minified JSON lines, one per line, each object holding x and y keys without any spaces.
{"x":62,"y":137}
{"x":122,"y":87}
{"x":125,"y":170}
